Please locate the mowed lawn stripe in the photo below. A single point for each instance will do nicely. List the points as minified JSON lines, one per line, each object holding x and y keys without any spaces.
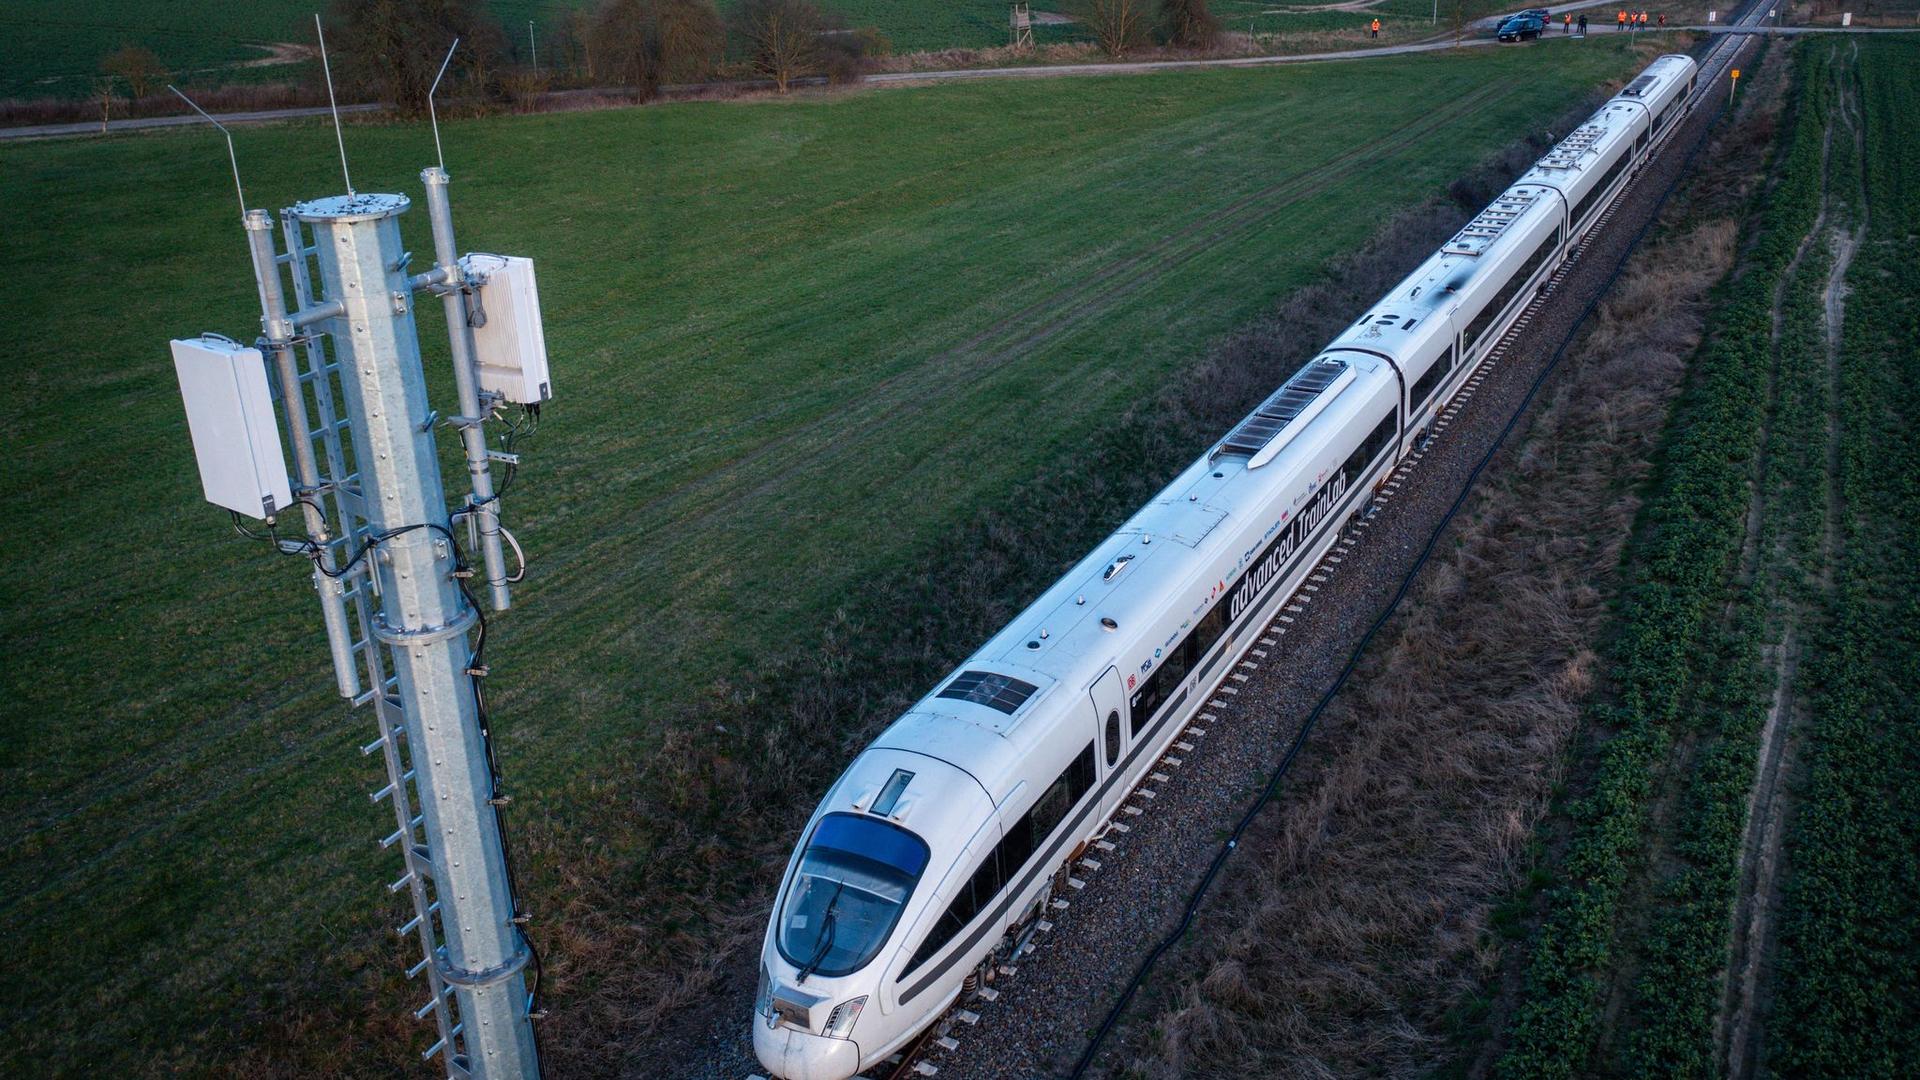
{"x":767,"y":321}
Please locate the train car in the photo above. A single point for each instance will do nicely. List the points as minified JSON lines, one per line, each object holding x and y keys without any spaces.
{"x":1590,"y":166}
{"x":945,"y":840}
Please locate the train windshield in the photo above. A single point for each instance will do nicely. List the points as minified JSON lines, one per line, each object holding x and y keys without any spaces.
{"x":853,"y":882}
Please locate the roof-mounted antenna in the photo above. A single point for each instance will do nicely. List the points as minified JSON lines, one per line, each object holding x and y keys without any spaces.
{"x":431,"y":114}
{"x":231,"y":157}
{"x":326,"y":66}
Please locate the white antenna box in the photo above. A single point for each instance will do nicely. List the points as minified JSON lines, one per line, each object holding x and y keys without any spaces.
{"x":235,"y":435}
{"x":510,"y":345}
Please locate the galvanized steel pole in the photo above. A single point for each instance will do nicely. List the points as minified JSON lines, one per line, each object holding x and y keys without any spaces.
{"x":425,"y":620}
{"x":484,"y":506}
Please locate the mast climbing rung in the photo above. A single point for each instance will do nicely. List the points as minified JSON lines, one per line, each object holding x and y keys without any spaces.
{"x":421,"y":1012}
{"x":436,"y":1047}
{"x":398,"y":833}
{"x":387,"y":791}
{"x":406,"y":879}
{"x":415,"y":970}
{"x":414,"y":923}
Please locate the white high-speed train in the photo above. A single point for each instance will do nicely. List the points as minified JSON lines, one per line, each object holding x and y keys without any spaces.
{"x":949,"y":833}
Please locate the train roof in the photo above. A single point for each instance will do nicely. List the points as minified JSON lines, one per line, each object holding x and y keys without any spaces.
{"x":1412,"y":317}
{"x":1068,"y":637}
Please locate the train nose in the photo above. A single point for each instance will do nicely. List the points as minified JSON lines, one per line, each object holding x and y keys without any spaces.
{"x":797,"y":1055}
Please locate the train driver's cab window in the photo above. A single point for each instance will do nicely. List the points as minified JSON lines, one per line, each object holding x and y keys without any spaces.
{"x":1113,"y":738}
{"x":853,"y":882}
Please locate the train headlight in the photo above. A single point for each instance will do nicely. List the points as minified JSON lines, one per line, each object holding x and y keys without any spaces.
{"x":763,"y":1000}
{"x":840,"y":1022}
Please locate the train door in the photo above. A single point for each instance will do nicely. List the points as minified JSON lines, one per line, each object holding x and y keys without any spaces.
{"x":1110,"y":731}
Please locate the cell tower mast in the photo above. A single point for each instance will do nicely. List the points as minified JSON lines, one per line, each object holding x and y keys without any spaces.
{"x":347,"y":381}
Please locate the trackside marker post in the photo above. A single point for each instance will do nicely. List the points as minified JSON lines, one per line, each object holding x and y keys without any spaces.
{"x":1733,"y":85}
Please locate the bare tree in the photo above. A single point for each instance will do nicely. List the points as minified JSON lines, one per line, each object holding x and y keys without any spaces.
{"x":1117,"y":25}
{"x":393,"y":48}
{"x":643,"y":43}
{"x":1189,"y":23}
{"x":782,"y":35}
{"x":139,"y":66}
{"x":103,"y":92}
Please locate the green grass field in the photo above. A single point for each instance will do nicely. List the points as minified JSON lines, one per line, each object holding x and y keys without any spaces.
{"x":795,"y":344}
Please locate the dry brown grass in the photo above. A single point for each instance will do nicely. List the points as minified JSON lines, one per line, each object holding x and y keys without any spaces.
{"x":1360,"y":914}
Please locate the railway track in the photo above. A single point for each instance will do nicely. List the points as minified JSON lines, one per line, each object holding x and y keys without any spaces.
{"x":922,"y":1057}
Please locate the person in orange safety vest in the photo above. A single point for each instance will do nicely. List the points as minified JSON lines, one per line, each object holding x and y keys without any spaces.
{"x":1376,"y":28}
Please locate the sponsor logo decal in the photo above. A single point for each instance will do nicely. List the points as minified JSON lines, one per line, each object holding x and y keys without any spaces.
{"x":1266,"y":570}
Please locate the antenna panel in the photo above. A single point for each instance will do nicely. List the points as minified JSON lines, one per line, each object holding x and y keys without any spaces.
{"x":235,"y":435}
{"x":510,"y":345}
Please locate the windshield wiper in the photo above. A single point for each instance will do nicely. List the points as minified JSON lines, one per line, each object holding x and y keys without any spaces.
{"x":828,"y":925}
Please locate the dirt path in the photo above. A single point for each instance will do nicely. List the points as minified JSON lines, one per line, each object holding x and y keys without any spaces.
{"x":1741,"y":1026}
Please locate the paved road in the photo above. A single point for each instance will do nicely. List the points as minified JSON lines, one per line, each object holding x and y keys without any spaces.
{"x":1038,"y":71}
{"x":92,"y":127}
{"x":1049,"y":70}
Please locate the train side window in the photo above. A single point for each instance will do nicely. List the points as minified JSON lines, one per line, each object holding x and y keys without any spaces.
{"x":1080,"y":775}
{"x":1015,"y":849}
{"x":1206,"y":634}
{"x":1494,"y":307}
{"x":1424,"y":387}
{"x":1364,"y":454}
{"x":1588,"y":200}
{"x":1113,"y":738}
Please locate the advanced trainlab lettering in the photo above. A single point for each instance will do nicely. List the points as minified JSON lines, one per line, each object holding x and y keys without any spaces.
{"x":1264,"y":571}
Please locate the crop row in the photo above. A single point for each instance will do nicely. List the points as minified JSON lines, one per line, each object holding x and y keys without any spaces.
{"x":1687,"y":543}
{"x":1850,"y":946}
{"x":1677,"y":998}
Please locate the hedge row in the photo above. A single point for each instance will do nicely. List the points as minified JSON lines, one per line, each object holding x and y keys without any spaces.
{"x":1688,"y":538}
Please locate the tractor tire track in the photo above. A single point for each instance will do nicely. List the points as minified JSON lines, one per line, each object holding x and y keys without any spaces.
{"x":1742,"y":1027}
{"x":841,"y":433}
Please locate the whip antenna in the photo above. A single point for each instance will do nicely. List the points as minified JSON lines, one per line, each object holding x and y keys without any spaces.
{"x":433,"y":116}
{"x":327,"y":67}
{"x":231,"y":158}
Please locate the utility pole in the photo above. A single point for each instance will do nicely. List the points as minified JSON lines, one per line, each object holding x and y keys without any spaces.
{"x":533,"y":46}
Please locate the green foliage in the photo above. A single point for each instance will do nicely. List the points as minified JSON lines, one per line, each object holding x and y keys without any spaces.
{"x":1850,"y":928}
{"x":1688,"y":537}
{"x":1680,"y":989}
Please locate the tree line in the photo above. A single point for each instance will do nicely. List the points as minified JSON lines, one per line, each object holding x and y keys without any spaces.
{"x":391,"y":50}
